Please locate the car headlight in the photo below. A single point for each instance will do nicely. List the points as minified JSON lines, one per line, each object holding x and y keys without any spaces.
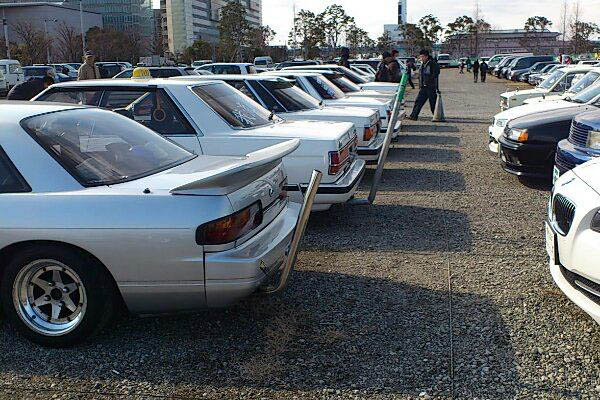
{"x":518,"y":135}
{"x":593,"y":140}
{"x":595,"y":226}
{"x":501,"y":122}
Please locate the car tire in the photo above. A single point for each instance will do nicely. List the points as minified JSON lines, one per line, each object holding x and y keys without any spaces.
{"x":56,"y":296}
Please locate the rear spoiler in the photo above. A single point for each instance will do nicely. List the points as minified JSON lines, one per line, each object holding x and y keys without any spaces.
{"x":247,"y":170}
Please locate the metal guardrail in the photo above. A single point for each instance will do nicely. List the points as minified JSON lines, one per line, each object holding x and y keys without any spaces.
{"x":386,"y":145}
{"x":307,"y":204}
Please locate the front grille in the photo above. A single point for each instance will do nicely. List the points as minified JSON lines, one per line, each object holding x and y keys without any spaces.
{"x":579,"y":134}
{"x":562,"y":163}
{"x":564,"y":212}
{"x":584,"y":285}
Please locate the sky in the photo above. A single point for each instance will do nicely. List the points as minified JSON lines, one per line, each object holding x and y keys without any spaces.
{"x":371,"y":15}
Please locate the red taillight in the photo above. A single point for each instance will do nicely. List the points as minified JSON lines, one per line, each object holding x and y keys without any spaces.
{"x":229,"y":229}
{"x":369,"y":133}
{"x":338,"y":159}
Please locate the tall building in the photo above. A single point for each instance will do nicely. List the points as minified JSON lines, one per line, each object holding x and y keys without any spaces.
{"x":125,"y":15}
{"x":188,"y":20}
{"x":401,"y":12}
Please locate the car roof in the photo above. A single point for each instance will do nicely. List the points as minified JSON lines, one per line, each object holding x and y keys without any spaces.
{"x":15,"y":111}
{"x":577,"y":68}
{"x":226,"y":77}
{"x":156,"y":82}
{"x":292,"y":72}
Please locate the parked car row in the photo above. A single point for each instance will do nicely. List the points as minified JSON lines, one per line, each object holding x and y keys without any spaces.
{"x":169,"y":195}
{"x":557,"y":136}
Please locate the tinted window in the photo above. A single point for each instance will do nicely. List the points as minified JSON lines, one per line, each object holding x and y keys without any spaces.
{"x":90,"y":98}
{"x":238,"y":111}
{"x":226,"y":69}
{"x":127,"y":74}
{"x":167,"y":73}
{"x":288,"y":95}
{"x":3,"y":69}
{"x":11,"y":181}
{"x":584,"y":82}
{"x":99,"y":148}
{"x":242,"y":87}
{"x":267,"y":98}
{"x":326,"y":89}
{"x":345,"y":85}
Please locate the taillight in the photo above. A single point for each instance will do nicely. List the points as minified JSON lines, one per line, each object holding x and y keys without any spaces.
{"x":369,"y":133}
{"x":337,"y":160}
{"x":229,"y":229}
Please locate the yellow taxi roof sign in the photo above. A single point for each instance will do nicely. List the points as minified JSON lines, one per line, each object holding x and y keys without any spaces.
{"x":141,"y":72}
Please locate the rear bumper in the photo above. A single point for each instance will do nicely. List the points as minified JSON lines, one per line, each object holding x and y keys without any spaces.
{"x":523,"y":159}
{"x":371,"y":152}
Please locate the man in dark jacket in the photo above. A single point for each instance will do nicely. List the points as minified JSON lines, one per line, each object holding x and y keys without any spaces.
{"x":483,"y":68}
{"x":344,"y":59}
{"x":475,"y":70}
{"x":428,"y":84}
{"x":394,"y":67}
{"x":383,"y":72}
{"x":29,"y":89}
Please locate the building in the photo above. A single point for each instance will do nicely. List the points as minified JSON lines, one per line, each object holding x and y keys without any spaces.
{"x":124,"y":15}
{"x":486,"y":44}
{"x":402,"y":12}
{"x":46,"y":15}
{"x":188,"y":20}
{"x":394,"y":31}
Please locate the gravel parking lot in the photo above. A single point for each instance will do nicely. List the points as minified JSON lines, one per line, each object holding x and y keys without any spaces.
{"x":369,"y":313}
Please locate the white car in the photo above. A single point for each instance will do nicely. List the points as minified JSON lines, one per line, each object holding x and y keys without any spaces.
{"x":573,"y":236}
{"x":211,"y":117}
{"x":351,"y":89}
{"x":4,"y":88}
{"x":557,"y":83}
{"x":229,"y":68}
{"x":98,"y":210}
{"x":586,"y":81}
{"x":289,"y":102}
{"x":348,"y":73}
{"x":328,"y":94}
{"x":12,"y":72}
{"x":496,"y":129}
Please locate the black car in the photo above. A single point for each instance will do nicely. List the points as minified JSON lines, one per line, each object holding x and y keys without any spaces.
{"x":523,"y":64}
{"x":528,"y":145}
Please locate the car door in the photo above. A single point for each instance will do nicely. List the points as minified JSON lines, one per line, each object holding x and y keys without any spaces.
{"x":155,"y":109}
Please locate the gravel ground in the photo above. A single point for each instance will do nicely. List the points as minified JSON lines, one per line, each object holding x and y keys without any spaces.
{"x":367,"y":314}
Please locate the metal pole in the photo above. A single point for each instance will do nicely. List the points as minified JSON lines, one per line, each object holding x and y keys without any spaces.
{"x":81,"y":24}
{"x":47,"y":41}
{"x":6,"y":34}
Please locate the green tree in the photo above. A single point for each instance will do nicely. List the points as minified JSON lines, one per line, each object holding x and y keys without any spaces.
{"x":384,"y":42}
{"x":414,"y":38}
{"x":199,"y":50}
{"x":336,"y":23}
{"x":534,"y":28}
{"x":233,"y":31}
{"x":307,"y":34}
{"x":431,"y":29}
{"x":356,"y":38}
{"x":581,"y":35}
{"x":455,"y":34}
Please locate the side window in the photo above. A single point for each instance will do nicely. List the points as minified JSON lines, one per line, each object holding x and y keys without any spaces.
{"x":227,"y":70}
{"x":126,"y":74}
{"x":11,"y":181}
{"x":120,"y":98}
{"x":270,"y":102}
{"x":153,"y":109}
{"x":167,"y":73}
{"x":89,"y":98}
{"x":241,"y":86}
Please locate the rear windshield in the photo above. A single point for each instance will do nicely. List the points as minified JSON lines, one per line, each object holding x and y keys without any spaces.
{"x":35,"y":71}
{"x":345,"y":85}
{"x":290,"y":96}
{"x":99,"y":147}
{"x":552,"y":79}
{"x":353,"y":76}
{"x":584,"y":82}
{"x":238,"y":110}
{"x":326,"y":89}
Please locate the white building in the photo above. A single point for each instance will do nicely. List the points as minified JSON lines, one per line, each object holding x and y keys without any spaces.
{"x":395,"y":30}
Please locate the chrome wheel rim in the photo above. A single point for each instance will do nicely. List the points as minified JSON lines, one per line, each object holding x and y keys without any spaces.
{"x":49,"y":297}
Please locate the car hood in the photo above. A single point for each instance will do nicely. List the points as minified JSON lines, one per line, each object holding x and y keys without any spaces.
{"x":533,"y":108}
{"x":589,"y":173}
{"x":591,"y":118}
{"x":525,"y":93}
{"x":548,"y":117}
{"x":545,"y":99}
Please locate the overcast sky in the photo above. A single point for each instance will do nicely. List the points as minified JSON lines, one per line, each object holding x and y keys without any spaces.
{"x":371,"y":15}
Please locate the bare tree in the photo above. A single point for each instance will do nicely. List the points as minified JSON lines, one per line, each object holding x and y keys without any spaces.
{"x":68,"y":43}
{"x":33,"y":43}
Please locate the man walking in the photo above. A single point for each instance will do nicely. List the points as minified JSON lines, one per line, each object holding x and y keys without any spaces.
{"x":88,"y":70}
{"x":428,"y":83}
{"x":394,"y":67}
{"x":383,"y":72}
{"x":476,"y":70}
{"x":29,"y":89}
{"x":483,"y":67}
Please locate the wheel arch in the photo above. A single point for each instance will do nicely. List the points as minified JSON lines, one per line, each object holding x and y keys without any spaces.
{"x":9,"y":251}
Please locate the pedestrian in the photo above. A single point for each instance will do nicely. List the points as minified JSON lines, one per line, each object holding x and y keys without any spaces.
{"x":344,"y":59}
{"x":29,"y":89}
{"x":469,"y":64}
{"x":428,"y":84}
{"x":462,"y":66}
{"x":394,"y":67}
{"x":410,"y":67}
{"x":475,"y":70}
{"x":383,"y":72}
{"x":483,"y":68}
{"x":88,"y":70}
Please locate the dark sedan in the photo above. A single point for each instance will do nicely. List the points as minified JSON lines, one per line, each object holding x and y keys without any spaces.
{"x":528,"y":145}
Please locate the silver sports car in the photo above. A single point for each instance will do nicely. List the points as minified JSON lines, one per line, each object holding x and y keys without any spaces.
{"x":97,"y":209}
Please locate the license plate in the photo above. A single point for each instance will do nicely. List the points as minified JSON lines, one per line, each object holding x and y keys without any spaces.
{"x":555,"y":174}
{"x":550,"y":243}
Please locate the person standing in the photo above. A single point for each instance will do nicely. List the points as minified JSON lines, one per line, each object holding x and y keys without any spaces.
{"x":29,"y":89}
{"x":483,"y":68}
{"x":410,"y":67}
{"x":469,"y":64}
{"x":475,"y":70}
{"x":394,"y":67}
{"x":383,"y":72}
{"x":462,"y":66}
{"x":88,"y":70}
{"x":428,"y":84}
{"x":345,"y":58}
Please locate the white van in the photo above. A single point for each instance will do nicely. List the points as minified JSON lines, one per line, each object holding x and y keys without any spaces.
{"x":12,"y":72}
{"x":265,"y":62}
